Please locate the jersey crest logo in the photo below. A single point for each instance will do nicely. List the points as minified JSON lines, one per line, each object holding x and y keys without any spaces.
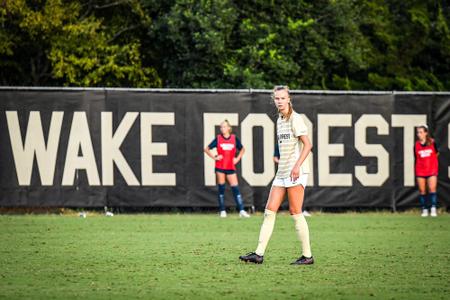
{"x":284,"y":136}
{"x":227,"y":147}
{"x":425,"y":153}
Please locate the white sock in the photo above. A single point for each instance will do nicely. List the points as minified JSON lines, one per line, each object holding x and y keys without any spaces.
{"x":301,"y":227}
{"x":266,"y":231}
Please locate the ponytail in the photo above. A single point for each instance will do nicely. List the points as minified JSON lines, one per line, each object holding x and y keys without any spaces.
{"x":289,"y":111}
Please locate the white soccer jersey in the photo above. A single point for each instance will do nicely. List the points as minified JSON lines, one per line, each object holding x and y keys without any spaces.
{"x":288,"y":132}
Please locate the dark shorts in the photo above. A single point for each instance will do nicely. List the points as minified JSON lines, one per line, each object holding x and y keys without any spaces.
{"x":426,"y":177}
{"x":227,"y":172}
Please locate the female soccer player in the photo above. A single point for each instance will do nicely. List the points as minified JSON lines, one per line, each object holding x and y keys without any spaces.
{"x":227,"y":145}
{"x":426,"y":155}
{"x":291,"y":177}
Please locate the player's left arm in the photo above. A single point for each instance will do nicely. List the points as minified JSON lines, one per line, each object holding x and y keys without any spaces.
{"x":241,"y":151}
{"x":436,"y":148}
{"x":301,"y":132}
{"x":306,"y":149}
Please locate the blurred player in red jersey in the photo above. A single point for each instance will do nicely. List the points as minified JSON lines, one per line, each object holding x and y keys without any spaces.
{"x":426,"y":168}
{"x":227,"y":145}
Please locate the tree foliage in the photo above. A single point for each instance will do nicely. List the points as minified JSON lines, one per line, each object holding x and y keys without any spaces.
{"x":65,"y":43}
{"x":322,"y":44}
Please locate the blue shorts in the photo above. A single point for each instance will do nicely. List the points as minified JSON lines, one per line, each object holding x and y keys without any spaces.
{"x":426,"y":177}
{"x":227,"y":172}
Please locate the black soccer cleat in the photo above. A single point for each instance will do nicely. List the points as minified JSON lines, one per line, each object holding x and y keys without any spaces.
{"x":304,"y":261}
{"x":252,"y":257}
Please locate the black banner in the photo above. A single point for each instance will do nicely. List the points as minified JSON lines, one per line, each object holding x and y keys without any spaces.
{"x":144,"y":148}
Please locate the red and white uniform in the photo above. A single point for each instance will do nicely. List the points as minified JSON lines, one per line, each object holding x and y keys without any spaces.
{"x":226,"y":148}
{"x":426,"y":159}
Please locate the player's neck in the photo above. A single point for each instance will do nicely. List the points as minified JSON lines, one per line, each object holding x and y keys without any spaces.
{"x":226,"y":135}
{"x":422,"y":141}
{"x":284,"y":113}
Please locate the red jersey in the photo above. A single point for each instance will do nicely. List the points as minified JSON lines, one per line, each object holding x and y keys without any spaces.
{"x":226,"y":148}
{"x":426,"y":159}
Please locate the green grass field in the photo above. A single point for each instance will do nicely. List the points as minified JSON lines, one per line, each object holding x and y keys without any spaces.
{"x":358,"y":256}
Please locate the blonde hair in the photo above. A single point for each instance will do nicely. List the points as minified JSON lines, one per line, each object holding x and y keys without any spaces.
{"x":283,"y":88}
{"x":229,"y":125}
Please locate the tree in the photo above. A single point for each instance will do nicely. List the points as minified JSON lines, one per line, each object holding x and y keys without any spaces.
{"x":191,"y":42}
{"x":322,"y":44}
{"x":257,"y":44}
{"x":56,"y":43}
{"x":410,"y":45}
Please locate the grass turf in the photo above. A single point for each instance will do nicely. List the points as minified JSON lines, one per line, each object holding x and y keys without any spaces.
{"x":358,"y":256}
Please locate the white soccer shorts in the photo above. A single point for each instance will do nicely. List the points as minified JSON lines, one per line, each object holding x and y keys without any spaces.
{"x":287,"y":182}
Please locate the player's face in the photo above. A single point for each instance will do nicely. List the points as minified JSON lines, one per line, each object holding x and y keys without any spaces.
{"x":281,"y":99}
{"x":224,"y":128}
{"x":421,"y":134}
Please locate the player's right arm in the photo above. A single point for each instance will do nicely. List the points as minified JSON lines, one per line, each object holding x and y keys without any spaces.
{"x":276,"y":154}
{"x":208,"y":152}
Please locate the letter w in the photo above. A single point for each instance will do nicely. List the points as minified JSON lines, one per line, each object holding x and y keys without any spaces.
{"x":34,"y":143}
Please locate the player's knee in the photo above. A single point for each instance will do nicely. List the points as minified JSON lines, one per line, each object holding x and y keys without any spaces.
{"x":233,"y":182}
{"x":272,"y":208}
{"x":295,"y":211}
{"x":269,"y":214}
